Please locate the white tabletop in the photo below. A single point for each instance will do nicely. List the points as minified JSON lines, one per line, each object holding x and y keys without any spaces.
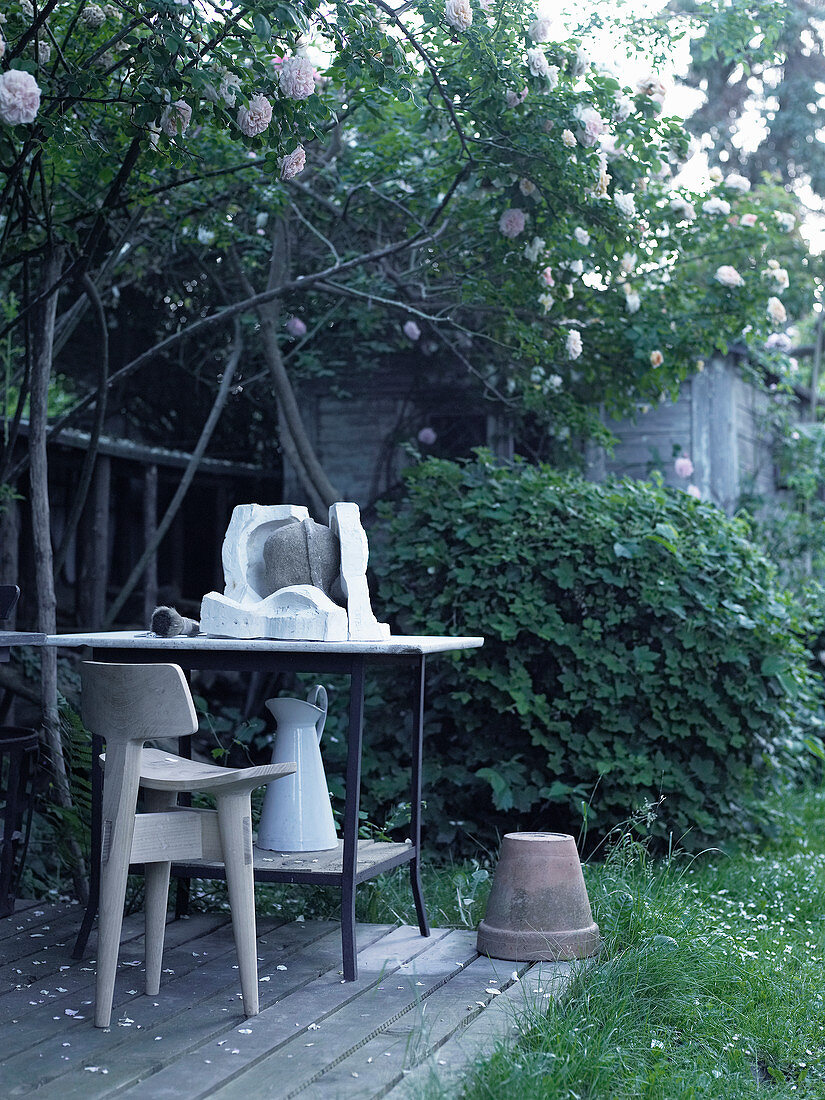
{"x":145,"y":639}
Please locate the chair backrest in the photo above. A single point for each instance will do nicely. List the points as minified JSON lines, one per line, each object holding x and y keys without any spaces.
{"x":9,"y":595}
{"x":136,"y":702}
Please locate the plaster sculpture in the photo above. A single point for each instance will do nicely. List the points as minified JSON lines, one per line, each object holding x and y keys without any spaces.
{"x":287,"y":576}
{"x":345,"y":522}
{"x":244,"y":572}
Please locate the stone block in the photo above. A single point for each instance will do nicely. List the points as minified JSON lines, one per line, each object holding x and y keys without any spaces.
{"x":302,"y":553}
{"x":243,"y":547}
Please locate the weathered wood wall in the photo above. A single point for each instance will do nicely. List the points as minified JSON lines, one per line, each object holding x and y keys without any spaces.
{"x":718,"y":421}
{"x":361,"y":440}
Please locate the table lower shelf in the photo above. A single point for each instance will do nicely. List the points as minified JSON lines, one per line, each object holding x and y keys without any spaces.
{"x":321,"y":868}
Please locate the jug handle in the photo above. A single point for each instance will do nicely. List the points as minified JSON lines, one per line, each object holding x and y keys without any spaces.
{"x":318,"y":697}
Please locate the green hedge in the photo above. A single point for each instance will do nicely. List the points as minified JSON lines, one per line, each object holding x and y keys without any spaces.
{"x":637,"y":646}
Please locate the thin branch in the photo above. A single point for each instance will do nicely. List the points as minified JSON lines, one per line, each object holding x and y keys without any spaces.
{"x":425,"y":57}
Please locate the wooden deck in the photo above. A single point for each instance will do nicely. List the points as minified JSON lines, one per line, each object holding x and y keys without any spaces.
{"x":421,"y":1006}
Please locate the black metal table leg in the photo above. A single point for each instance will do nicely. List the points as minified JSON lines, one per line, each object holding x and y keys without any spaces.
{"x":415,"y":804}
{"x":351,"y":808}
{"x":97,"y":843}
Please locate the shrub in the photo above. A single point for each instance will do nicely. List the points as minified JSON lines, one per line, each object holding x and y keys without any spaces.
{"x":637,"y":647}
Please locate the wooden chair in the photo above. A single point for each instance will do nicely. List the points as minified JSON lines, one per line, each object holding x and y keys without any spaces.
{"x":128,"y":705}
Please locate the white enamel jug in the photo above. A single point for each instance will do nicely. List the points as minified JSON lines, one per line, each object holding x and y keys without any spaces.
{"x":297,"y":814}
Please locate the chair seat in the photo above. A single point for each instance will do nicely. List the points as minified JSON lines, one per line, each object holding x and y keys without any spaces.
{"x":164,"y":771}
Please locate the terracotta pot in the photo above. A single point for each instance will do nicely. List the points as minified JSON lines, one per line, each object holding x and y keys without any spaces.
{"x":538,"y":907}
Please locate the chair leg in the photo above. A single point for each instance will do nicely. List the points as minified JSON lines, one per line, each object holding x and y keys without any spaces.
{"x":119,"y":800}
{"x":112,"y":894}
{"x":157,"y":898}
{"x":235,"y":824}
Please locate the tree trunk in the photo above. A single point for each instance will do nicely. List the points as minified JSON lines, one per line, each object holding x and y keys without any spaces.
{"x":295,"y":442}
{"x":93,"y":576}
{"x":43,"y":339}
{"x":9,"y":550}
{"x":150,"y":527}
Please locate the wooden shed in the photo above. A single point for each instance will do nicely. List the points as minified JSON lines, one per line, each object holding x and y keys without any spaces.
{"x":719,"y":421}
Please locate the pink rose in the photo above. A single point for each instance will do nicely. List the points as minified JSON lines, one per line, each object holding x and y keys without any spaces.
{"x":728,"y":276}
{"x":296,"y":327}
{"x":546,"y":277}
{"x":427,"y":436}
{"x":176,"y":118}
{"x":255,"y":118}
{"x":19,"y":97}
{"x":411,"y":330}
{"x":654,"y":88}
{"x":293,"y":163}
{"x":683,"y":466}
{"x":748,"y":220}
{"x":541,"y":29}
{"x":694,"y":491}
{"x":512,"y":222}
{"x":591,"y":126}
{"x":296,"y":76}
{"x":458,"y":14}
{"x":513,"y":99}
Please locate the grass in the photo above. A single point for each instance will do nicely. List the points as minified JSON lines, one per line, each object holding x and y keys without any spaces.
{"x":711,"y":982}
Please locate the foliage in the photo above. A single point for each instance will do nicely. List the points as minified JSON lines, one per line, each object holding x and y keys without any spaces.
{"x":774,"y":93}
{"x":708,"y":983}
{"x":637,"y":647}
{"x":792,"y":526}
{"x":419,"y":137}
{"x":49,"y":860}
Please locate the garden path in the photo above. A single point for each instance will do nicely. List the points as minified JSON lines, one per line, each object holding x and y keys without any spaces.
{"x":421,"y":1006}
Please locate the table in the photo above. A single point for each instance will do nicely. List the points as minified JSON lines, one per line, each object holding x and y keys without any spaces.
{"x":355,"y":860}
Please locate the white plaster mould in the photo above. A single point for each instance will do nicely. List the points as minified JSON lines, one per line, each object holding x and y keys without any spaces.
{"x":300,"y":612}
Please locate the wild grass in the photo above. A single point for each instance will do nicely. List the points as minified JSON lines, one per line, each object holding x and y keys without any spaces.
{"x":711,"y":982}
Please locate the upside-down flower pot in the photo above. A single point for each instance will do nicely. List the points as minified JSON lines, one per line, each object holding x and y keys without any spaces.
{"x":538,"y":909}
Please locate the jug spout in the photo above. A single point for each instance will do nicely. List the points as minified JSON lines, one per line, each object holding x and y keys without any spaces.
{"x":294,"y":711}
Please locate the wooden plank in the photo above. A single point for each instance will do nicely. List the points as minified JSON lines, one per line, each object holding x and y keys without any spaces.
{"x":46,"y":940}
{"x":77,"y":976}
{"x":30,"y":919}
{"x":389,"y":997}
{"x":208,"y":985}
{"x":451,"y":1054}
{"x":434,"y":1014}
{"x":370,"y":854}
{"x":285,"y":1025}
{"x":54,"y":941}
{"x":22,"y":904}
{"x":210,"y":1025}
